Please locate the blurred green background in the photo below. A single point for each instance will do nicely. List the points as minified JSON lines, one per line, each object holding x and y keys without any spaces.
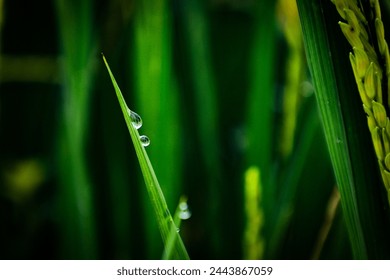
{"x":225,"y":96}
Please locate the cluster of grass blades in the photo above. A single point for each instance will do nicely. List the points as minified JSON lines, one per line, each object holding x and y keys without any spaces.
{"x":167,"y":226}
{"x":346,"y":132}
{"x":230,"y":110}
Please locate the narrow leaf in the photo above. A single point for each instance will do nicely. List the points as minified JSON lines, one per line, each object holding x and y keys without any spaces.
{"x":163,"y":216}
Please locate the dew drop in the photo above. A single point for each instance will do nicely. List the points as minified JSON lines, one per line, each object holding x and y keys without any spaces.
{"x":177,"y":229}
{"x":144,"y":140}
{"x":136,"y":120}
{"x":185,"y":215}
{"x":183,"y":206}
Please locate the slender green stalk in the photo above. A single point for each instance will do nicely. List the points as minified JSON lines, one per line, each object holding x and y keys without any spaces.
{"x":163,"y":216}
{"x":158,"y":99}
{"x":203,"y":80}
{"x":295,"y":66}
{"x":345,"y":130}
{"x":316,"y":45}
{"x":75,"y":22}
{"x":259,"y":119}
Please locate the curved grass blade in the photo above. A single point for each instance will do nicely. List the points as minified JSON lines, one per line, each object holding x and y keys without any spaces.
{"x":163,"y":216}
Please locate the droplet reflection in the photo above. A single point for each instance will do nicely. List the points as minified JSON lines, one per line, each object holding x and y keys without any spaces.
{"x":144,"y":140}
{"x":136,"y":120}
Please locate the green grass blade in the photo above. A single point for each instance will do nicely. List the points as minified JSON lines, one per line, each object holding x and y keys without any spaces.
{"x":321,"y":67}
{"x":76,"y":199}
{"x":260,"y":106}
{"x":163,"y":215}
{"x":197,"y":29}
{"x":345,"y":129}
{"x":151,"y":60}
{"x":261,"y":95}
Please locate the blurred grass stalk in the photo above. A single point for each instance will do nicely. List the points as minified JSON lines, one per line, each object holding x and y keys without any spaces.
{"x":289,"y":21}
{"x":261,"y":95}
{"x":259,"y":121}
{"x":345,"y":129}
{"x":76,"y":205}
{"x":293,"y":145}
{"x":157,"y":102}
{"x":203,"y":80}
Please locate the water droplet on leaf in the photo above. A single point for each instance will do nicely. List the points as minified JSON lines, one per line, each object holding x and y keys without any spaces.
{"x":144,"y":140}
{"x":136,"y":120}
{"x":183,"y":206}
{"x":185,"y":215}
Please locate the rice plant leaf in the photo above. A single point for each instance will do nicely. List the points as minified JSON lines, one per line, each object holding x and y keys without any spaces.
{"x":345,"y":129}
{"x":316,"y":45}
{"x":163,"y":216}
